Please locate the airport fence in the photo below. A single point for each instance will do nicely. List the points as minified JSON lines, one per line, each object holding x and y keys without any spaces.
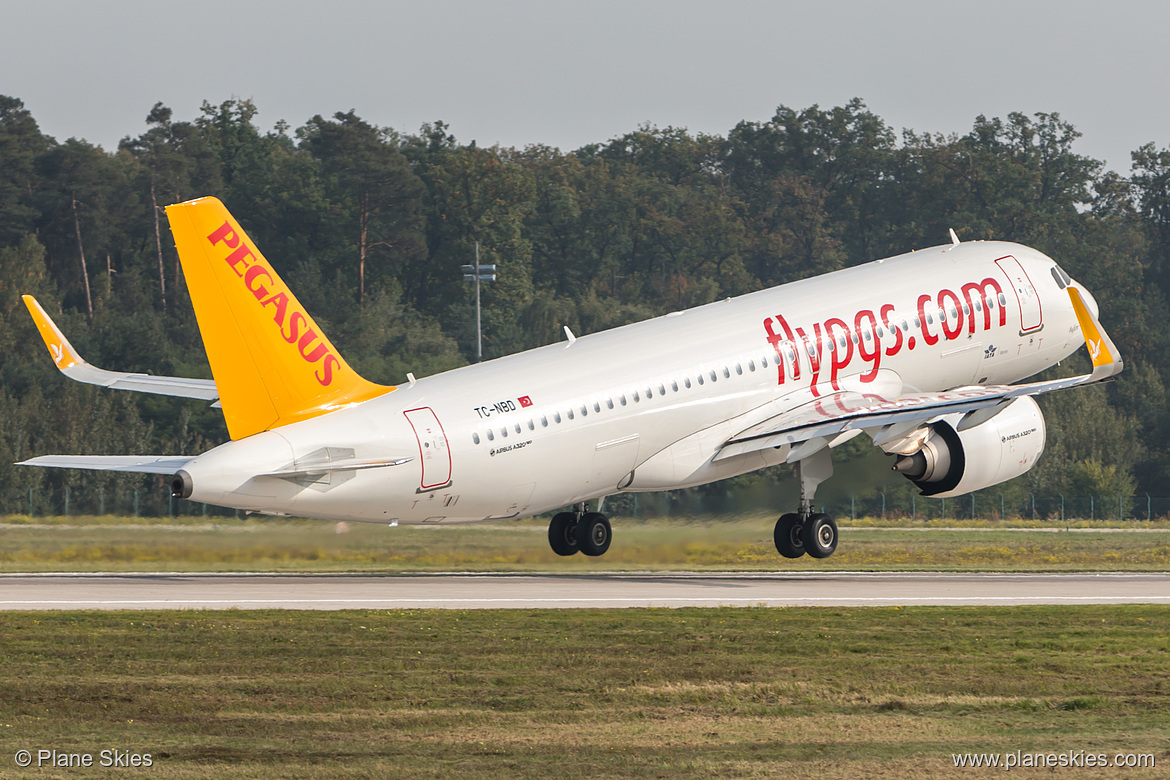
{"x":138,"y":501}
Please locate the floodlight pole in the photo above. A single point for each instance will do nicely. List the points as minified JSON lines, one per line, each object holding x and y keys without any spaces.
{"x":478,"y":273}
{"x":478,"y":329}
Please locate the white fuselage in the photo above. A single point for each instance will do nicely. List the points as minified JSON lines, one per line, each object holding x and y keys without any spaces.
{"x":647,"y":406}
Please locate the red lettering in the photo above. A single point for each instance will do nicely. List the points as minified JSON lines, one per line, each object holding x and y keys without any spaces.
{"x":307,"y":339}
{"x":774,"y":339}
{"x":927,"y":336}
{"x":952,"y":326}
{"x":327,"y":367}
{"x":897,"y":331}
{"x":874,"y":358}
{"x":253,"y":272}
{"x":841,"y":356}
{"x":813,"y":350}
{"x":237,"y":257}
{"x":280,"y":301}
{"x":226,"y":234}
{"x":982,"y":287}
{"x":294,"y":325}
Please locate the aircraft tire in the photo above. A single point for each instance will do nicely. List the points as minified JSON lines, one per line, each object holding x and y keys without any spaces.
{"x":594,"y":534}
{"x":562,"y":534}
{"x":819,"y":536}
{"x":787,"y":536}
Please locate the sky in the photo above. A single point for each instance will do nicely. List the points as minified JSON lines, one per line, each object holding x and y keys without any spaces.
{"x":565,"y":74}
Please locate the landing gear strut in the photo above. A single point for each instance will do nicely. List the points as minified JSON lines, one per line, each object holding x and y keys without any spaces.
{"x":805,"y":531}
{"x":579,"y":531}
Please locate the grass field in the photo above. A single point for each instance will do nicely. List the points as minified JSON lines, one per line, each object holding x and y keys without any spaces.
{"x":833,"y":693}
{"x":198,"y":544}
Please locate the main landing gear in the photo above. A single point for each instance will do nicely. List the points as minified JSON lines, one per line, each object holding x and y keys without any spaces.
{"x":805,"y":531}
{"x":579,"y":531}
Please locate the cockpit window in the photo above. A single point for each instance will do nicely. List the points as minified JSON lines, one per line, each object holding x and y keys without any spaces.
{"x":1062,"y":279}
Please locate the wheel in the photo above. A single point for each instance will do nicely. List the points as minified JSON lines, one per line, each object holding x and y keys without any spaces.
{"x":594,"y":534}
{"x":820,"y":536}
{"x":562,"y":533}
{"x":787,"y":536}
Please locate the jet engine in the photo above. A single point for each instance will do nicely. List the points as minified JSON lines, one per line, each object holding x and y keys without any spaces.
{"x":955,"y":459}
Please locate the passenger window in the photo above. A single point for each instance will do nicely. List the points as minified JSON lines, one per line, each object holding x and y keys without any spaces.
{"x":674,"y":385}
{"x":637,"y":398}
{"x":700,"y":377}
{"x":714,"y":377}
{"x":584,"y":410}
{"x":609,"y":403}
{"x":475,"y":438}
{"x":1002,"y":299}
{"x":531,"y":425}
{"x":726,"y":373}
{"x":504,"y":432}
{"x":764,"y":361}
{"x":491,"y":436}
{"x":687,"y":382}
{"x":543,"y":421}
{"x":622,"y":398}
{"x":517,"y":427}
{"x":751,"y":365}
{"x":569,"y":414}
{"x":557,"y":417}
{"x":662,"y":389}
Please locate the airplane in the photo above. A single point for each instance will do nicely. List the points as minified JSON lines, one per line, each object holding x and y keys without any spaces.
{"x":922,"y":352}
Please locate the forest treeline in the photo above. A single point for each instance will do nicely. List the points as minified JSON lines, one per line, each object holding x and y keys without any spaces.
{"x":369,"y":227}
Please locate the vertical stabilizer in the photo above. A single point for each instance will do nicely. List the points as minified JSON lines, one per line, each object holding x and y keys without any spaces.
{"x":272,"y":364}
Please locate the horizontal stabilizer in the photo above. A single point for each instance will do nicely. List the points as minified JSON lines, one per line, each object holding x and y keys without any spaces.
{"x":141,"y":464}
{"x":75,"y":367}
{"x":337,"y":465}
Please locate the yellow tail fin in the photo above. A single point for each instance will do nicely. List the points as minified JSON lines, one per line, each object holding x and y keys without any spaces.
{"x":272,"y":364}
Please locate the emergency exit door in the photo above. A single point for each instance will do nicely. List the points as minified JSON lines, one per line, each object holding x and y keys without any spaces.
{"x":434,"y":454}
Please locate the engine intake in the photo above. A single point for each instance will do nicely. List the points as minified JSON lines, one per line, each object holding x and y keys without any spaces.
{"x":954,"y":462}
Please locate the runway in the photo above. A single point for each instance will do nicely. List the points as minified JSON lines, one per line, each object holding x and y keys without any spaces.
{"x":569,"y":591}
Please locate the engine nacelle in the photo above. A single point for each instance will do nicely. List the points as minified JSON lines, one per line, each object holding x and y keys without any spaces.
{"x":954,"y":462}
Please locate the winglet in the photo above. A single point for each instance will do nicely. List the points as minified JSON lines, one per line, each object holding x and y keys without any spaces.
{"x":63,"y":354}
{"x":1106,"y":358}
{"x":271,"y":362}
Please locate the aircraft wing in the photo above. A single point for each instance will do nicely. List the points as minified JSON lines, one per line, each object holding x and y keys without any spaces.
{"x":891,"y":422}
{"x":75,"y":367}
{"x":142,"y":464}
